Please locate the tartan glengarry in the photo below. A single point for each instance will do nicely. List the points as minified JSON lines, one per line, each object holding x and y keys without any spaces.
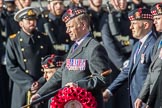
{"x":52,"y":61}
{"x":72,"y":12}
{"x":140,"y":14}
{"x":156,"y":9}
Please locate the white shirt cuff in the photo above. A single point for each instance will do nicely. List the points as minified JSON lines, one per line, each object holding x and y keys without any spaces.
{"x":109,"y":92}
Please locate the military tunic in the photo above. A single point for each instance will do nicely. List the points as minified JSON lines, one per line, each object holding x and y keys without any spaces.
{"x":98,"y":21}
{"x":56,"y":29}
{"x":23,"y":57}
{"x":10,"y":26}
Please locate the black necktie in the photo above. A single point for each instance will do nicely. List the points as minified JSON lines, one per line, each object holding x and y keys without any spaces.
{"x":32,"y":40}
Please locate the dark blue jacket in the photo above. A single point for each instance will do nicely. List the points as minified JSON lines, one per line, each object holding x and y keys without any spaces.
{"x":136,"y":72}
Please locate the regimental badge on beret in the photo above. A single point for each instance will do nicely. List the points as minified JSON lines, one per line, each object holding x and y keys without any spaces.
{"x":156,"y":9}
{"x":52,"y":61}
{"x":26,"y":13}
{"x":140,"y":14}
{"x":72,"y":12}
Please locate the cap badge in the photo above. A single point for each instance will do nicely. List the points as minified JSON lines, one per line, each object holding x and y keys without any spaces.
{"x":70,"y":12}
{"x":159,"y":9}
{"x":137,"y":15}
{"x":31,"y":12}
{"x":50,"y":61}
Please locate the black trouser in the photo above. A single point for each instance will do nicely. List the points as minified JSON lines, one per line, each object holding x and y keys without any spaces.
{"x":4,"y":88}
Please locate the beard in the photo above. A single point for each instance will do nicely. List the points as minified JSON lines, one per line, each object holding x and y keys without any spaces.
{"x":29,"y":30}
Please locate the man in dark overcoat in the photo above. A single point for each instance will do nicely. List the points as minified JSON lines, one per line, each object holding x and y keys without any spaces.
{"x":86,"y":57}
{"x":23,"y":56}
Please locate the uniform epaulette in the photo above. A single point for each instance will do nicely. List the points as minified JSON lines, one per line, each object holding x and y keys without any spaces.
{"x":12,"y":36}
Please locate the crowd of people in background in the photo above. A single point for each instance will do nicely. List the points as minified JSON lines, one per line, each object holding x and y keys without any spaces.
{"x":40,"y":45}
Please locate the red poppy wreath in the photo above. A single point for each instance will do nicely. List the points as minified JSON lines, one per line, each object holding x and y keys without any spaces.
{"x":71,"y":97}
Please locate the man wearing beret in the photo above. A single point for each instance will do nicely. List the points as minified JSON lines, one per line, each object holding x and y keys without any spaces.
{"x":86,"y":58}
{"x":50,"y":64}
{"x":136,"y":72}
{"x":152,"y":86}
{"x":23,"y":56}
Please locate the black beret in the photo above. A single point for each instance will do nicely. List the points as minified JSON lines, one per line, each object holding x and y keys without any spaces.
{"x":140,"y":14}
{"x":72,"y":12}
{"x":156,"y":9}
{"x":52,"y":61}
{"x":26,"y":13}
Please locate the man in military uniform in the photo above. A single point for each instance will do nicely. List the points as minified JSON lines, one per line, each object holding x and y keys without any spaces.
{"x":150,"y":93}
{"x":7,"y":27}
{"x":87,"y":57}
{"x":98,"y":19}
{"x":50,"y":64}
{"x":10,"y":26}
{"x":23,"y":55}
{"x":55,"y":27}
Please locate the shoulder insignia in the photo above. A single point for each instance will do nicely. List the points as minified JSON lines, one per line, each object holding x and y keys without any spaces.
{"x":12,"y":36}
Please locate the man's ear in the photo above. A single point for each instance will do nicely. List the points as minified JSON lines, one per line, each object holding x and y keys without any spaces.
{"x":20,"y":23}
{"x":146,"y":25}
{"x":83,"y":24}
